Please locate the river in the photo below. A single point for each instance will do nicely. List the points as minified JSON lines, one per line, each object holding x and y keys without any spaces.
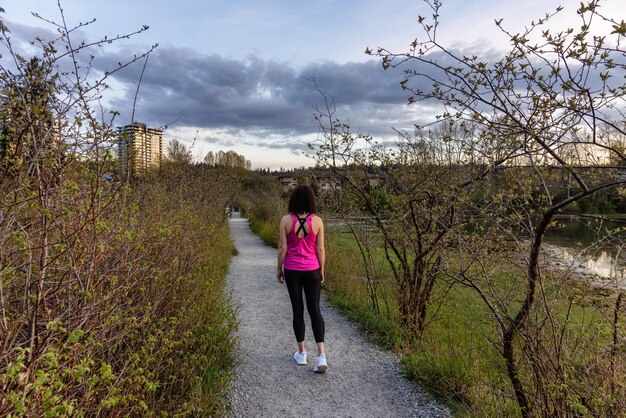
{"x":592,"y":247}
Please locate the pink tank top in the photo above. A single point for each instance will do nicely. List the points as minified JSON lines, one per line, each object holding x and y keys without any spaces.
{"x":301,"y":253}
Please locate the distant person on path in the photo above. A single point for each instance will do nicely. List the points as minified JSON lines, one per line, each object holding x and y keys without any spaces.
{"x":301,"y":265}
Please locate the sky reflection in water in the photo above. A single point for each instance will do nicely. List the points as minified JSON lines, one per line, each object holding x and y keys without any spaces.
{"x":591,"y":246}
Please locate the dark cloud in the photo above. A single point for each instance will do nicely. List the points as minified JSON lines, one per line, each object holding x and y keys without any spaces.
{"x":257,"y":98}
{"x":297,"y":147}
{"x":212,"y":91}
{"x":214,"y":140}
{"x":250,"y":97}
{"x":257,"y":102}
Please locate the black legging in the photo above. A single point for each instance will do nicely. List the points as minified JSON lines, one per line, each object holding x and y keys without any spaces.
{"x":311,"y":283}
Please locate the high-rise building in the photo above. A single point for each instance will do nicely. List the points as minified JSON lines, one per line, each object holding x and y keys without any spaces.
{"x":139,"y":148}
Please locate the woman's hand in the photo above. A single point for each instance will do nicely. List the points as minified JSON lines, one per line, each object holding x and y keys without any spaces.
{"x":322,"y":275}
{"x":280,"y":276}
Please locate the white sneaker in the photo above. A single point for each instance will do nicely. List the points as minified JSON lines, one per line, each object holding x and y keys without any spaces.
{"x":300,"y":358}
{"x":320,"y":364}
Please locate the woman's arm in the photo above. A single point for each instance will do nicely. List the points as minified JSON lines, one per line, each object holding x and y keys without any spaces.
{"x":319,"y":246}
{"x":282,"y":248}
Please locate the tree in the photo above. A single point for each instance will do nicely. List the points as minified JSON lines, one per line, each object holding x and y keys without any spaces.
{"x":29,"y":124}
{"x":231,"y":159}
{"x":65,"y":264}
{"x":549,"y":93}
{"x":178,"y":153}
{"x":413,"y":211}
{"x":209,"y":159}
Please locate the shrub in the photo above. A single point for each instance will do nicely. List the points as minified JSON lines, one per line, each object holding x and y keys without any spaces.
{"x":111,"y":292}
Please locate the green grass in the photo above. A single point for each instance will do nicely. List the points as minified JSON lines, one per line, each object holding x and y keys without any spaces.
{"x":267,"y":231}
{"x":380,"y":330}
{"x":458,"y":357}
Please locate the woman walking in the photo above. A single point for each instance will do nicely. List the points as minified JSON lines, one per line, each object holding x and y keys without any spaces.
{"x":301,"y":266}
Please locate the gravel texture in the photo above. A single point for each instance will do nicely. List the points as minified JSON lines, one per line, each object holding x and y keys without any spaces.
{"x":362,"y":379}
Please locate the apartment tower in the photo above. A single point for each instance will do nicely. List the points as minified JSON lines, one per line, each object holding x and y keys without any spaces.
{"x":139,"y":148}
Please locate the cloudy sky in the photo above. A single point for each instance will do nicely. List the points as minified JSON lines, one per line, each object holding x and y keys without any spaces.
{"x":236,"y":74}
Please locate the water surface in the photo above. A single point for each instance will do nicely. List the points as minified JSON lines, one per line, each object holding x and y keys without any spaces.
{"x":591,"y":246}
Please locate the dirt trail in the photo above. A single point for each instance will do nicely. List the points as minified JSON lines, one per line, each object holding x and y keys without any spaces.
{"x":362,"y":380}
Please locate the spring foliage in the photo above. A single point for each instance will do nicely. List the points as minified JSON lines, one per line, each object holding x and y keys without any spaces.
{"x":111,"y":298}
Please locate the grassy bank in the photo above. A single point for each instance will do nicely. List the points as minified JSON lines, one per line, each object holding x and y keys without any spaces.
{"x":267,"y":231}
{"x":456,"y":359}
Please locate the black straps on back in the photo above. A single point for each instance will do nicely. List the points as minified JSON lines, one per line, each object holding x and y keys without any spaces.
{"x":302,"y":222}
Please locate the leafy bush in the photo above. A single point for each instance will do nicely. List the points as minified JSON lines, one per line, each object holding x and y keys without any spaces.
{"x":262,"y":203}
{"x":135,"y":318}
{"x":111,"y":291}
{"x":267,"y":231}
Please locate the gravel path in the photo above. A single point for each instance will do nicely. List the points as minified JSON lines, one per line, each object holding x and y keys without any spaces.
{"x":362,"y":380}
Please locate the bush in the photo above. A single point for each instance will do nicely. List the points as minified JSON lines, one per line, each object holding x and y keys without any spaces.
{"x":111,"y":292}
{"x":136,"y":320}
{"x":262,"y":203}
{"x":267,"y":231}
